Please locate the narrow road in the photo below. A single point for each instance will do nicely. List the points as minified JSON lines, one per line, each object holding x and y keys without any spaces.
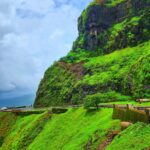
{"x":74,"y":106}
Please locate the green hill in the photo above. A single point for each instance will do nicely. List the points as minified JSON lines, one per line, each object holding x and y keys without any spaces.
{"x":109,"y":62}
{"x":73,"y":130}
{"x":110,"y":55}
{"x":76,"y":129}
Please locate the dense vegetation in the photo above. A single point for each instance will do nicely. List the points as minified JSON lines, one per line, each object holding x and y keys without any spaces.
{"x":135,"y":137}
{"x":109,"y":62}
{"x":124,"y":71}
{"x":6,"y":122}
{"x":73,"y":130}
{"x":95,"y":99}
{"x":22,"y":130}
{"x":55,"y":86}
{"x":77,"y":129}
{"x":110,"y":55}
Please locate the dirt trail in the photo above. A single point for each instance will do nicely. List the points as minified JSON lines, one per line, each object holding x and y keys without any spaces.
{"x":109,"y":139}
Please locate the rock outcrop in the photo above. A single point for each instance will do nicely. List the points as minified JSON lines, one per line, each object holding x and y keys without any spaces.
{"x":97,"y":19}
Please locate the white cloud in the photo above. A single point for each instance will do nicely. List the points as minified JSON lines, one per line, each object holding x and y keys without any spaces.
{"x":57,"y":33}
{"x":37,"y":5}
{"x":33,"y":34}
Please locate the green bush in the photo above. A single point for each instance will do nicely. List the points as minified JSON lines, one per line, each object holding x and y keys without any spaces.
{"x":91,"y":101}
{"x":114,"y":96}
{"x":95,"y":99}
{"x":59,"y":110}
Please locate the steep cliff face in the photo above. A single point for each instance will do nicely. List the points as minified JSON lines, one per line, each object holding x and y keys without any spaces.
{"x":57,"y":85}
{"x":95,"y":21}
{"x":93,"y":66}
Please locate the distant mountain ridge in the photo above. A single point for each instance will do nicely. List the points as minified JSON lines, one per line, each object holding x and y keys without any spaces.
{"x":24,"y":100}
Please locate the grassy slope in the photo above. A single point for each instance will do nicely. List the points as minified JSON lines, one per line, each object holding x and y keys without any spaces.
{"x":76,"y":129}
{"x":69,"y":131}
{"x":115,"y":65}
{"x":72,"y":130}
{"x":55,"y":87}
{"x":112,"y":72}
{"x":136,"y":137}
{"x":134,"y":103}
{"x":125,"y":71}
{"x":6,"y":122}
{"x":23,"y":131}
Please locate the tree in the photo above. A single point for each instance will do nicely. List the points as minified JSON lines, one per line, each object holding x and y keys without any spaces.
{"x":91,"y":101}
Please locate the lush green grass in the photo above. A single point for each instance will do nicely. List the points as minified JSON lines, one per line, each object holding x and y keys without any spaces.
{"x":129,"y":102}
{"x":7,"y":120}
{"x":123,"y":57}
{"x":73,"y":130}
{"x":136,"y":137}
{"x":76,"y":56}
{"x":23,"y":131}
{"x":112,"y":3}
{"x":120,"y":75}
{"x":118,"y":68}
{"x":76,"y":129}
{"x":125,"y":71}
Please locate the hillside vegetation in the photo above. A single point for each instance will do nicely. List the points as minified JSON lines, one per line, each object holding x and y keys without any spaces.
{"x":109,"y":63}
{"x":136,"y":137}
{"x":110,"y":55}
{"x":76,"y":129}
{"x":22,"y":131}
{"x":7,"y":120}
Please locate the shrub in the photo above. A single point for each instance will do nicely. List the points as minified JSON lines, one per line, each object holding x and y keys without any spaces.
{"x":114,"y":96}
{"x":94,"y":99}
{"x":91,"y":101}
{"x":59,"y":110}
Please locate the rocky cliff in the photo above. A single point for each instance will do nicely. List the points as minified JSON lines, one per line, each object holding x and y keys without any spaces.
{"x":110,"y":55}
{"x":97,"y":19}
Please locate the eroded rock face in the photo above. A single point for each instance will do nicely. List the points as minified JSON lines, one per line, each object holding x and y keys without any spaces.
{"x":97,"y":19}
{"x":100,"y":18}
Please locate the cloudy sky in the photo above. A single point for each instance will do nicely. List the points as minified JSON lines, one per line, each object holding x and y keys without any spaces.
{"x":33,"y":34}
